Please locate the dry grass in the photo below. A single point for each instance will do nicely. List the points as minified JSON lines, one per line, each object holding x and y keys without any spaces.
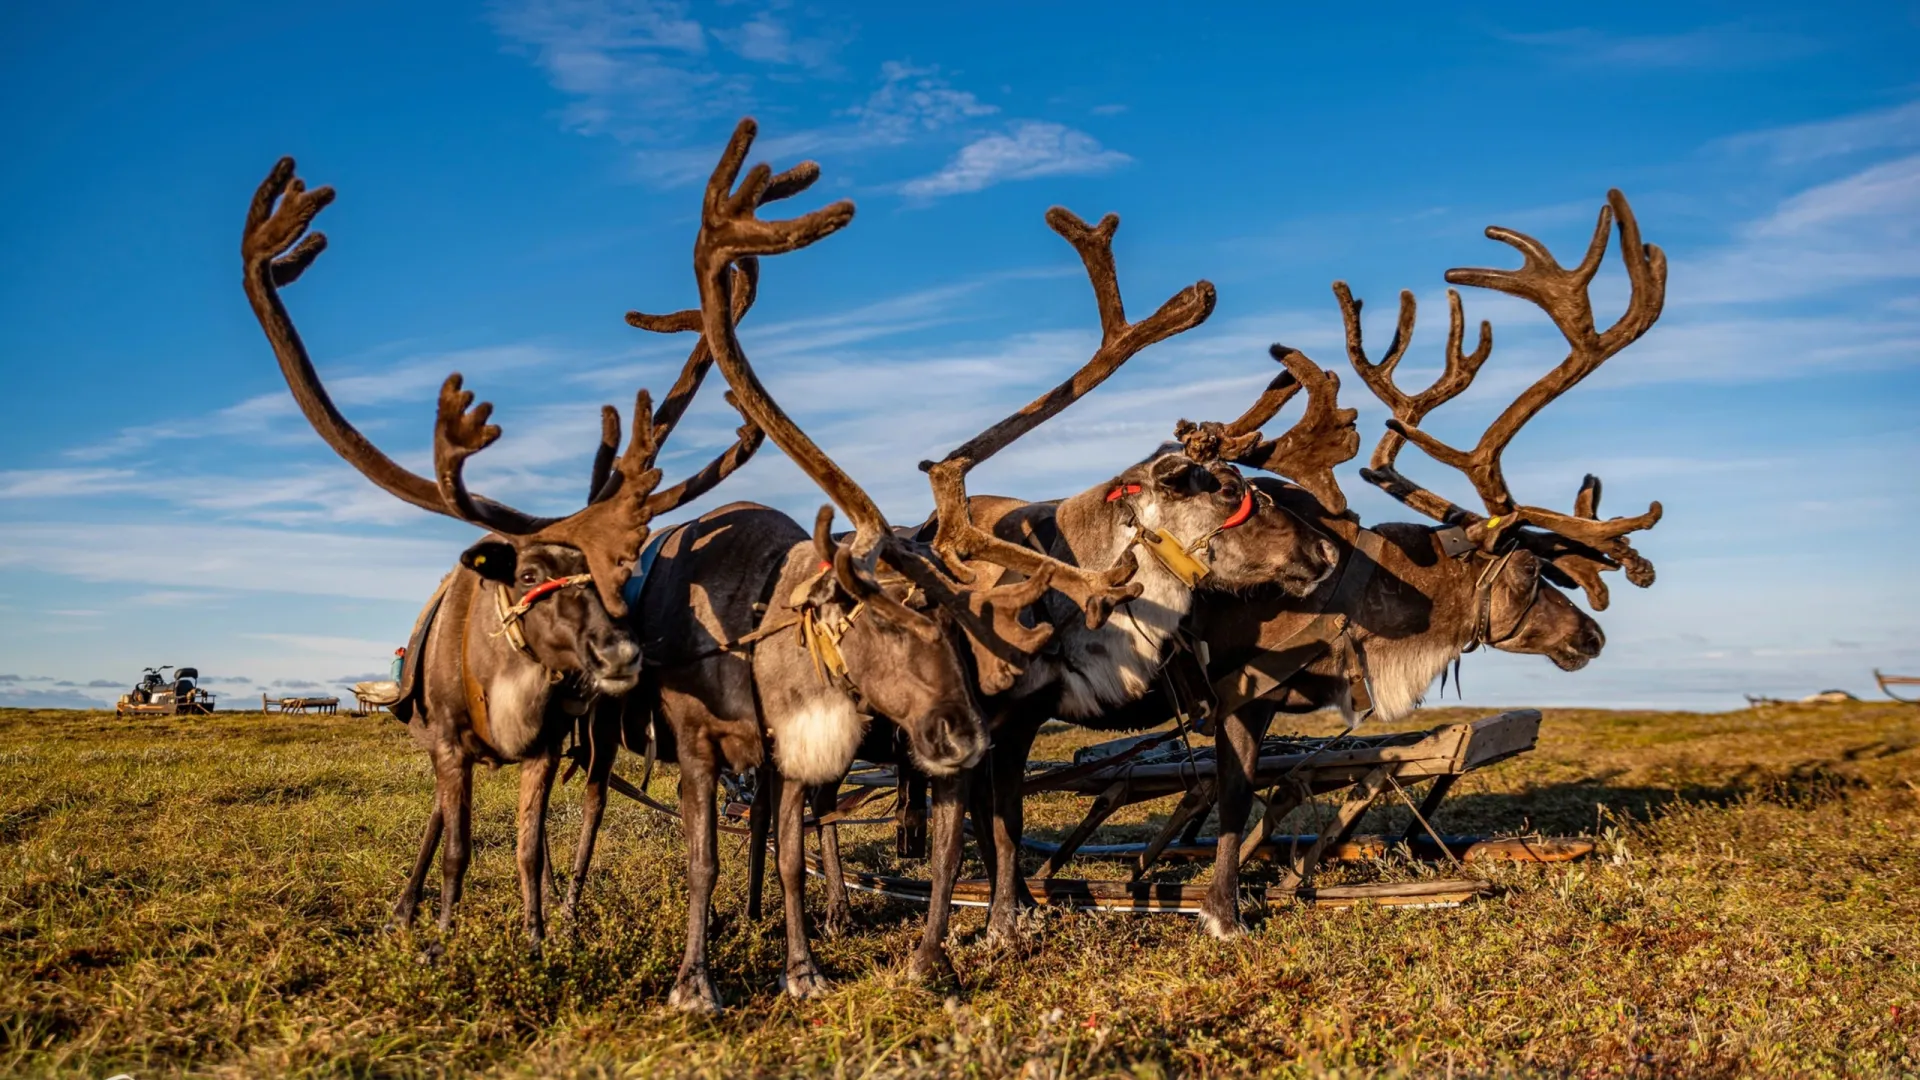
{"x":206,"y":897}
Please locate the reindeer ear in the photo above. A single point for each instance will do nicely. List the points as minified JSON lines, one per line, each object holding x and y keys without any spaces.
{"x":817,"y":591}
{"x":1180,"y":476}
{"x":495,"y":560}
{"x":1557,"y":576}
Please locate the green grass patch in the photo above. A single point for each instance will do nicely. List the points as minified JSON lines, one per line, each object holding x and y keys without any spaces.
{"x":206,"y":896}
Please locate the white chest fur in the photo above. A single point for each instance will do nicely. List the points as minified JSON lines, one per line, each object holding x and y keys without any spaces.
{"x":815,"y":743}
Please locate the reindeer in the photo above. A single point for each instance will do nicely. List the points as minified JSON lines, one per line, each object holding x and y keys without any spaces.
{"x":512,"y":644}
{"x":1409,"y":599}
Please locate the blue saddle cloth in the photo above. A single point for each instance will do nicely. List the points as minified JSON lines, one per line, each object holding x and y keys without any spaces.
{"x":637,"y":582}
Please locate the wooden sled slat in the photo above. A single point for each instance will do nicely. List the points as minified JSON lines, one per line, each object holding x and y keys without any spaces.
{"x":1158,"y":898}
{"x":1539,"y":849}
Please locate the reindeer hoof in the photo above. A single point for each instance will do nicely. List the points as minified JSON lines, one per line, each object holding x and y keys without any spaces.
{"x":805,"y":982}
{"x":695,"y":994}
{"x":932,"y":968}
{"x":1226,"y":929}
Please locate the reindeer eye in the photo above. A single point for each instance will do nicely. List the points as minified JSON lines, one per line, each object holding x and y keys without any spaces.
{"x":528,"y":577}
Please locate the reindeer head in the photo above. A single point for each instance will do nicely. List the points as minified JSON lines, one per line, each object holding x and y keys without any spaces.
{"x":1524,"y":555}
{"x":1298,"y":556}
{"x":539,"y":567}
{"x":1204,"y":524}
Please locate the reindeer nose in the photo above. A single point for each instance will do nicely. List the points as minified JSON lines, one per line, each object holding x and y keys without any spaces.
{"x":615,"y":654}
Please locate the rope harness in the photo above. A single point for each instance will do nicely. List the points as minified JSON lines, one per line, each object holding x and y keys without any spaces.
{"x":512,"y":614}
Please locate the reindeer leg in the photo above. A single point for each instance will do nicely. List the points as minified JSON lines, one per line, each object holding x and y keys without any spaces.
{"x":408,"y":904}
{"x":693,"y":990}
{"x":980,"y":809}
{"x":1238,"y":751}
{"x":759,"y":817}
{"x":804,"y":979}
{"x":536,"y":785}
{"x":839,"y":914}
{"x":593,"y":805}
{"x":1010,"y":750}
{"x":931,"y":963}
{"x":456,"y":806}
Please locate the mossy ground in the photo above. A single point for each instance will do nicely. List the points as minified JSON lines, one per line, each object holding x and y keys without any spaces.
{"x":207,"y":896}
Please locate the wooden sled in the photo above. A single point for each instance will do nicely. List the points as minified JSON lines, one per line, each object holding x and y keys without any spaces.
{"x":1292,"y":769}
{"x":1888,"y":682}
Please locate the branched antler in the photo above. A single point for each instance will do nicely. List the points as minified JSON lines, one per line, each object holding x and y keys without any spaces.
{"x":957,"y":539}
{"x":276,"y":249}
{"x":1581,"y":544}
{"x":746,"y":276}
{"x":730,"y":232}
{"x":1306,"y":453}
{"x":1461,"y":367}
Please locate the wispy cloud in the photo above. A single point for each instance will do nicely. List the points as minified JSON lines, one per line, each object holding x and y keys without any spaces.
{"x":1732,"y":45}
{"x":411,"y":379}
{"x":768,"y":39}
{"x":231,"y":557}
{"x":641,"y":71}
{"x":910,"y":104}
{"x":1897,"y":128}
{"x":635,"y":68}
{"x":61,"y":483}
{"x":1031,"y":148}
{"x":1860,"y":228}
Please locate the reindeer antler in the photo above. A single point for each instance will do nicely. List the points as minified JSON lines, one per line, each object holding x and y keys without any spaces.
{"x":1306,"y":453}
{"x":731,"y":231}
{"x":276,"y":249}
{"x":746,"y":276}
{"x":1583,"y":544}
{"x":957,"y":538}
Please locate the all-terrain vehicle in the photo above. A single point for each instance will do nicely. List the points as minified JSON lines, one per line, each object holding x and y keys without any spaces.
{"x":159,"y":694}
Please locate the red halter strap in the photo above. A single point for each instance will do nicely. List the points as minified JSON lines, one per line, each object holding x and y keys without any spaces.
{"x":1122,"y":492}
{"x":544,"y":589}
{"x":1245,"y":511}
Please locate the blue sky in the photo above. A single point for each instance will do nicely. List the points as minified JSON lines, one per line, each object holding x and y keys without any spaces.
{"x":514,"y":177}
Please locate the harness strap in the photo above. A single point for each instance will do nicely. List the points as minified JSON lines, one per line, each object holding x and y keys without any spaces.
{"x":475,"y":694}
{"x":1273,"y":666}
{"x":1180,"y":559}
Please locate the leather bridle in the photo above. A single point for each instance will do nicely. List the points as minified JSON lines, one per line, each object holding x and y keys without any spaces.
{"x":1482,"y":632}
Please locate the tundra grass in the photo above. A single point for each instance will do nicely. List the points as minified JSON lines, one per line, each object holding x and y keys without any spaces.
{"x":207,"y":896}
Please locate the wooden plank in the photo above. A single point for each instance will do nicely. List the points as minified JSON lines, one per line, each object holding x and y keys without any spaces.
{"x":1103,"y":807}
{"x":1196,"y":803}
{"x":1429,"y":804}
{"x":1153,"y":898}
{"x":1357,"y":802}
{"x":1364,"y":848}
{"x":1279,"y":802}
{"x":1496,"y":738}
